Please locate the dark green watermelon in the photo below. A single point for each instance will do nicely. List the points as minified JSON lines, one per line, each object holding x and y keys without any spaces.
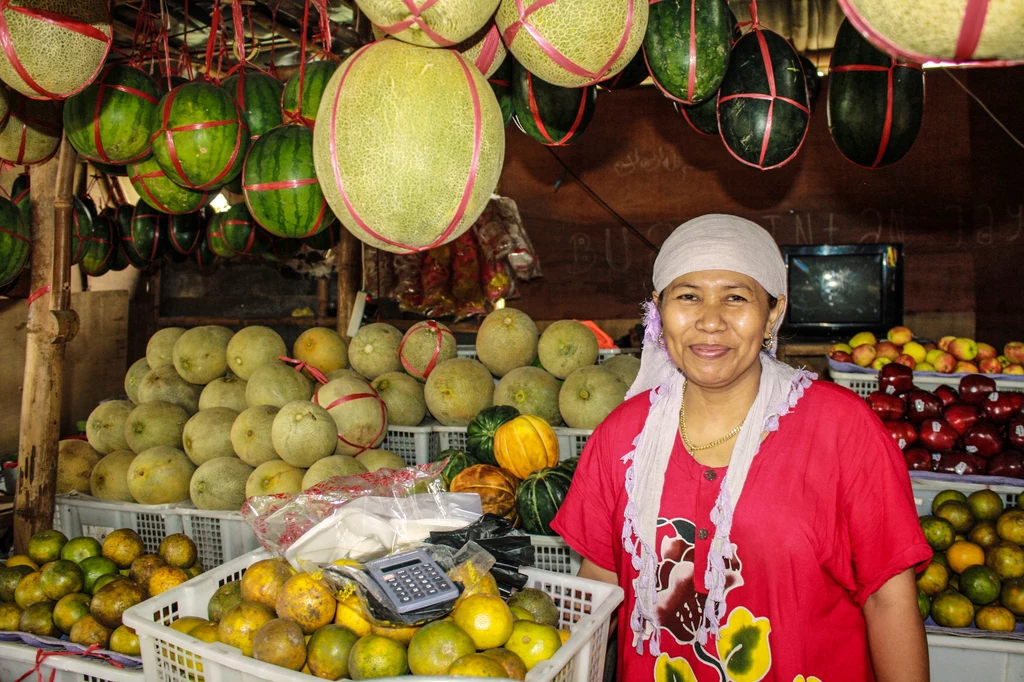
{"x":569,"y":465}
{"x":259,"y":97}
{"x":184,"y":232}
{"x":539,"y":496}
{"x":153,"y":185}
{"x":215,"y":239}
{"x":763,"y":111}
{"x":875,"y":103}
{"x":501,"y":85}
{"x":687,"y":47}
{"x":90,"y":205}
{"x":239,"y":230}
{"x":325,"y":239}
{"x":275,"y":249}
{"x":633,"y":75}
{"x":312,"y":82}
{"x":142,"y":239}
{"x":118,"y":260}
{"x":114,"y":171}
{"x":201,"y":136}
{"x":21,"y":197}
{"x":111,"y":120}
{"x":552,"y":115}
{"x":702,"y":117}
{"x":203,"y":256}
{"x":81,"y":230}
{"x":455,"y":462}
{"x":480,"y":432}
{"x":102,"y":247}
{"x":280,"y":184}
{"x":15,"y":243}
{"x":813,"y":81}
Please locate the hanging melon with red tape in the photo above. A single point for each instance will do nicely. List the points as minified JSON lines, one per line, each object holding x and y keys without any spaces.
{"x":552,"y":115}
{"x":429,"y":23}
{"x":633,"y":75}
{"x":311,"y":81}
{"x":408,"y":145}
{"x":763,"y":111}
{"x":81,"y":230}
{"x":32,"y":133}
{"x":702,"y":117}
{"x":982,"y":32}
{"x":485,"y":49}
{"x":111,"y":120}
{"x":52,"y":49}
{"x":101,"y":249}
{"x":153,"y":185}
{"x":259,"y":97}
{"x":687,"y":47}
{"x":5,"y":105}
{"x":142,"y":238}
{"x":572,"y":43}
{"x":14,"y":241}
{"x":875,"y":103}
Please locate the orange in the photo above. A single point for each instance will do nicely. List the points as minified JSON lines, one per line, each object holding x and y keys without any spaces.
{"x":945,"y":496}
{"x":69,"y":610}
{"x":985,"y":505}
{"x":477,"y":665}
{"x":962,"y":555}
{"x":1010,"y":526}
{"x":60,"y":578}
{"x":521,"y":614}
{"x":280,"y":642}
{"x":374,"y":656}
{"x":37,"y":619}
{"x":239,"y":625}
{"x":984,"y":534}
{"x":143,"y":568}
{"x":22,"y":560}
{"x":1006,"y":559}
{"x":515,"y":669}
{"x":402,"y":634}
{"x":205,"y":632}
{"x":263,"y":581}
{"x":186,"y":624}
{"x":178,"y":550}
{"x":327,"y":651}
{"x":436,"y":646}
{"x":533,"y":642}
{"x":80,"y":548}
{"x":995,"y":618}
{"x":123,"y":546}
{"x":227,"y":596}
{"x":10,"y":615}
{"x":938,"y":533}
{"x":564,"y":635}
{"x":46,"y":546}
{"x":924,"y":604}
{"x":980,"y":584}
{"x":30,"y":591}
{"x":164,"y":578}
{"x":351,"y":614}
{"x":957,"y":513}
{"x":88,"y":631}
{"x":934,"y":579}
{"x":952,"y":610}
{"x":486,"y":619}
{"x":537,"y":602}
{"x":1012,"y":596}
{"x":307,"y":601}
{"x":124,"y":641}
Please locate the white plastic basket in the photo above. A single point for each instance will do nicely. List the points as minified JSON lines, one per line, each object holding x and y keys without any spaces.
{"x":956,"y":659}
{"x":451,"y":438}
{"x":864,"y":384}
{"x":585,"y":607}
{"x":220,"y":536}
{"x":17,"y":660}
{"x":77,"y":515}
{"x":551,"y":553}
{"x":466,"y":351}
{"x":414,"y":444}
{"x":604,"y":354}
{"x":925,"y":491}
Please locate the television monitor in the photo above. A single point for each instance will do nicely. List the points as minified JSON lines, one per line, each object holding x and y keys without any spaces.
{"x":836,"y":291}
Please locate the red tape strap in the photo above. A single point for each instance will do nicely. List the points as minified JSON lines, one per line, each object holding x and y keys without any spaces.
{"x":970,"y":29}
{"x":280,"y":184}
{"x":358,"y":396}
{"x":17,"y":236}
{"x":489,"y":50}
{"x":416,"y":19}
{"x":439,"y":338}
{"x":535,"y":110}
{"x":92,"y":651}
{"x":301,"y":365}
{"x":37,"y":294}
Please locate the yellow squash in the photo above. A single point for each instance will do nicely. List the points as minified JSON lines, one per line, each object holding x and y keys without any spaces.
{"x":525,"y":444}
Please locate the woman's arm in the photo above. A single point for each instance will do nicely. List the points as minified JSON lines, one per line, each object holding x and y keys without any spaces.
{"x":899,"y":650}
{"x":592,"y":571}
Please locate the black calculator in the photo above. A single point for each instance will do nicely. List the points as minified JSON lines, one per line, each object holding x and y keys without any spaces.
{"x":412,"y":580}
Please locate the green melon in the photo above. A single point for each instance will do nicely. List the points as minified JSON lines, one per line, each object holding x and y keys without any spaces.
{"x":109,"y":478}
{"x":457,"y":389}
{"x":531,"y":390}
{"x":404,"y":397}
{"x":160,"y":349}
{"x":33,"y":131}
{"x":15,"y":241}
{"x":507,"y":339}
{"x":425,"y":346}
{"x":75,"y":462}
{"x":303,"y":433}
{"x":374,"y":459}
{"x":162,"y":193}
{"x":374,"y":350}
{"x":251,"y":436}
{"x":687,"y":47}
{"x":588,"y":34}
{"x":442,"y":24}
{"x":277,"y":384}
{"x":200,"y":355}
{"x":60,"y":51}
{"x":455,"y":462}
{"x":110,"y":121}
{"x":313,"y":80}
{"x":105,"y":426}
{"x":361,"y":420}
{"x":484,"y":49}
{"x":589,"y":395}
{"x":625,"y":366}
{"x":539,"y":497}
{"x":253,"y":347}
{"x":274,"y":478}
{"x":226,"y":391}
{"x":160,"y":475}
{"x":328,"y":467}
{"x":154,"y":424}
{"x":259,"y":97}
{"x":565,"y":346}
{"x":219,"y":485}
{"x":207,"y":435}
{"x":164,"y":383}
{"x":395,"y":147}
{"x":133,"y":378}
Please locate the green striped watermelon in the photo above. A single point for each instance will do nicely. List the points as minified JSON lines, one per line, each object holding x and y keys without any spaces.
{"x":81,"y":230}
{"x":457,"y":460}
{"x":633,"y":75}
{"x":325,"y":239}
{"x":102,"y":247}
{"x":153,"y":185}
{"x":552,"y":115}
{"x":200,"y":158}
{"x":15,"y":244}
{"x":184,"y":232}
{"x":280,"y":184}
{"x":763,"y":110}
{"x":480,"y":432}
{"x":702,"y":117}
{"x":33,"y":131}
{"x":501,"y":85}
{"x":687,"y":47}
{"x":875,"y":103}
{"x":111,"y":120}
{"x":119,"y":261}
{"x":313,"y":83}
{"x":142,"y":238}
{"x":215,"y":239}
{"x":259,"y":97}
{"x":203,"y":256}
{"x":90,"y":205}
{"x":239,"y":230}
{"x":539,"y":496}
{"x":21,"y":197}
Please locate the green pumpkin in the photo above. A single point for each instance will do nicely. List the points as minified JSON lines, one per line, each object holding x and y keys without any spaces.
{"x":457,"y":460}
{"x":480,"y":432}
{"x":538,"y":498}
{"x":569,"y":465}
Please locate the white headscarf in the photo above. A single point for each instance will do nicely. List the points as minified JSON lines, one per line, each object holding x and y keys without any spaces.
{"x":711,"y":242}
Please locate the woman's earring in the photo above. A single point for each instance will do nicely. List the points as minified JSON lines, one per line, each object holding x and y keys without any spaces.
{"x":767,"y":344}
{"x":661,"y":338}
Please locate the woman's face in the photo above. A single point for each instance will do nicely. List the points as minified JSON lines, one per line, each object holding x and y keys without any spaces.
{"x":715,"y":322}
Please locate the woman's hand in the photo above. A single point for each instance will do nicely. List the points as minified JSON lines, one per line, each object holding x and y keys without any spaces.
{"x":899,"y":649}
{"x":592,"y":571}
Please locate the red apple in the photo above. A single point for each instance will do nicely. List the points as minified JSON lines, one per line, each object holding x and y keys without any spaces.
{"x":961,"y":416}
{"x":965,"y":368}
{"x":983,"y":439}
{"x":902,"y":433}
{"x":963,"y":349}
{"x":895,"y":379}
{"x":863,"y":355}
{"x":945,"y":341}
{"x":1014,"y":352}
{"x":936,"y":435}
{"x":840,"y":356}
{"x":922,"y":405}
{"x":944,"y":363}
{"x":974,"y":389}
{"x":947,"y":394}
{"x":906,"y":361}
{"x":1002,"y":406}
{"x":886,"y":406}
{"x":1013,"y":369}
{"x":986,"y":352}
{"x":962,"y":463}
{"x":1009,"y":463}
{"x":930,"y":346}
{"x":900,"y":335}
{"x":918,"y":459}
{"x":990,"y":366}
{"x":887,"y":349}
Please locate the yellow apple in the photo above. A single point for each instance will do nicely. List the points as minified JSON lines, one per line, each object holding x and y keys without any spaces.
{"x":1013,"y":368}
{"x":879,"y":363}
{"x":930,"y":355}
{"x":864,"y":355}
{"x":900,"y":335}
{"x":845,"y":347}
{"x":916,"y":351}
{"x":924,"y":367}
{"x":861,"y":338}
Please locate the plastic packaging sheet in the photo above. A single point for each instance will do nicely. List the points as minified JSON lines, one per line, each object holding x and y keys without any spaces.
{"x":510,"y":548}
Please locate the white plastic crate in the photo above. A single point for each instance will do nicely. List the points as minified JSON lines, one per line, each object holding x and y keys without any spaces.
{"x":77,"y":515}
{"x":414,"y":444}
{"x":466,"y":351}
{"x":585,"y":607}
{"x":17,"y":660}
{"x":605,"y":353}
{"x":451,"y":438}
{"x":864,"y":384}
{"x":220,"y":536}
{"x":551,"y":553}
{"x":570,"y":441}
{"x":956,"y":659}
{"x":925,"y":491}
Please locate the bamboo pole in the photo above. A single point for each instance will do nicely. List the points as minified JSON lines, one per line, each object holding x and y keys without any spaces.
{"x":350,"y":256}
{"x":51,"y":324}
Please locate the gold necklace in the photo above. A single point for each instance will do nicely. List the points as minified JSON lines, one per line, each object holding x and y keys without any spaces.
{"x":696,"y":448}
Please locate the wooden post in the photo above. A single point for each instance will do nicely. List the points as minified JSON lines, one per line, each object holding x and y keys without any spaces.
{"x":51,"y":324}
{"x":350,"y":266}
